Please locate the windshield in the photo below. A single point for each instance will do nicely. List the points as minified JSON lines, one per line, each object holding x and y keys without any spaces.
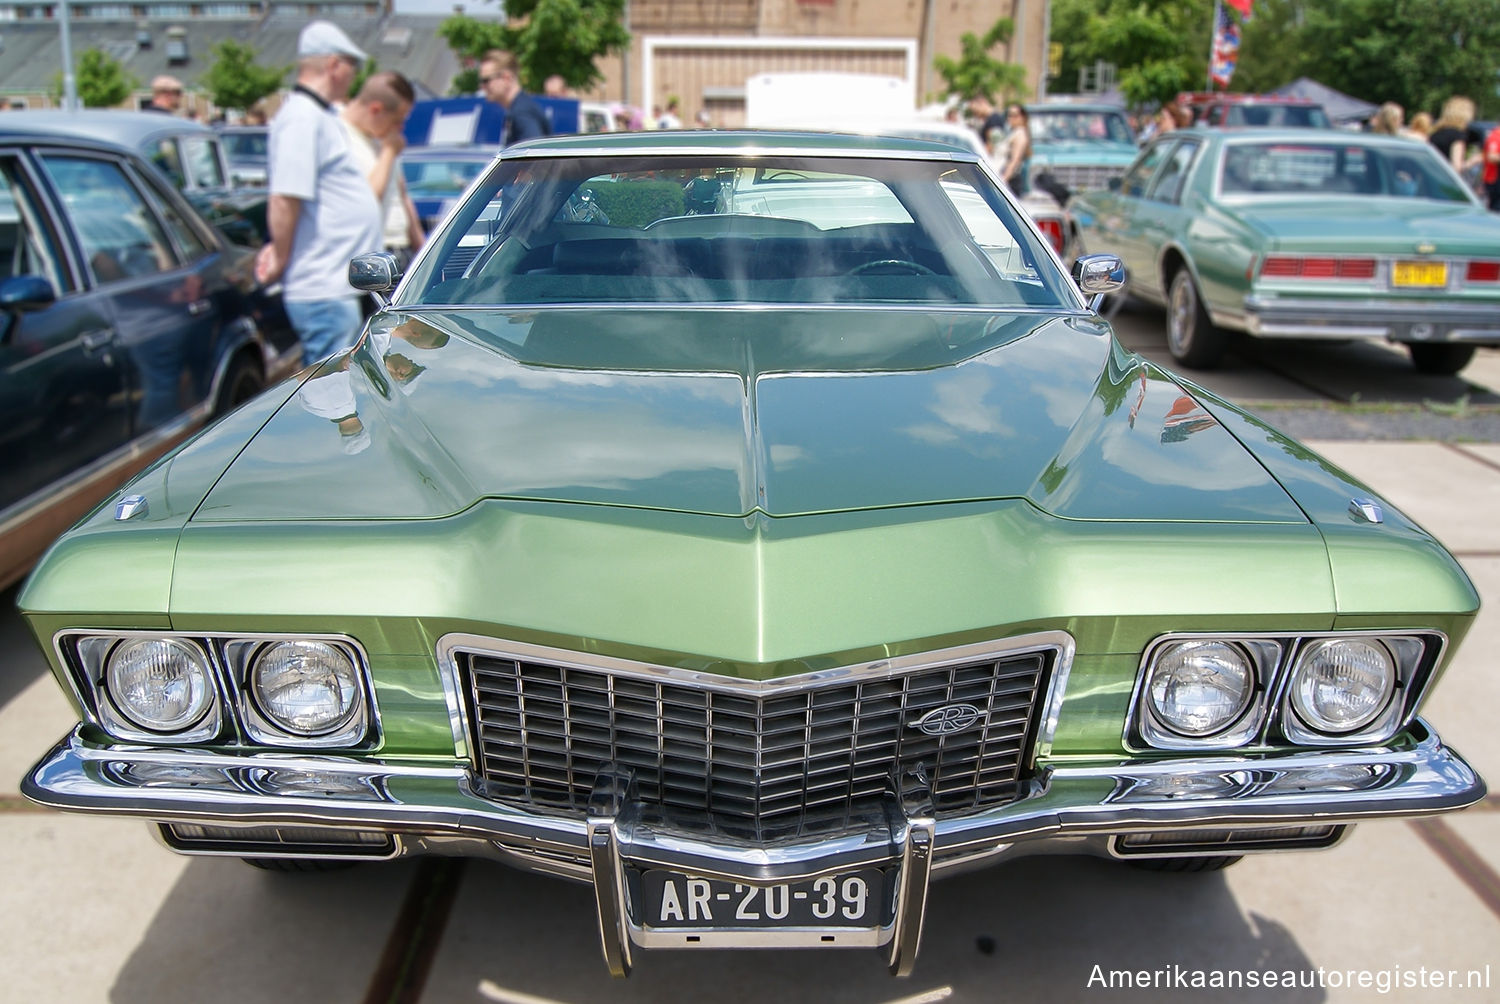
{"x":737,"y":228}
{"x":440,"y":179}
{"x":1079,"y":126}
{"x":1410,"y":170}
{"x":1296,"y":116}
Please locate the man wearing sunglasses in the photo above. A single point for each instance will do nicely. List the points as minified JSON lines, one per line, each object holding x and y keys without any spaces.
{"x":500,"y":81}
{"x":322,"y":211}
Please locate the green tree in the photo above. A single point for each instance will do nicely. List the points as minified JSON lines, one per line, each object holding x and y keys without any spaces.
{"x":101,"y":80}
{"x":976,"y":73}
{"x":235,"y":80}
{"x":547,"y":36}
{"x":1414,"y":52}
{"x":1159,"y":47}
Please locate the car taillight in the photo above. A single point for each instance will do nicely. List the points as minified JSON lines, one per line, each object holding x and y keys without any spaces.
{"x":1290,"y":266}
{"x":1054,"y":232}
{"x":1482,"y":271}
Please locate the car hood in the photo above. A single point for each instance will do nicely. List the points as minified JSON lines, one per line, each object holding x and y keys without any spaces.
{"x":729,"y":411}
{"x":1368,"y":223}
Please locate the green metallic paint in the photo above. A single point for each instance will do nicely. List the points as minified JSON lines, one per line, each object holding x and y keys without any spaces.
{"x":788,"y":412}
{"x":632,"y":143}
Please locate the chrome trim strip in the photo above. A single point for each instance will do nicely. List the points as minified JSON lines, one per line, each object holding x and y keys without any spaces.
{"x":1418,"y":776}
{"x":750,"y":150}
{"x":1058,"y":641}
{"x":44,"y":498}
{"x":738,"y":305}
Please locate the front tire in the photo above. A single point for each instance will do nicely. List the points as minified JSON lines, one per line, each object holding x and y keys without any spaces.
{"x":1191,"y":336}
{"x":241,"y":383}
{"x":1439,"y":358}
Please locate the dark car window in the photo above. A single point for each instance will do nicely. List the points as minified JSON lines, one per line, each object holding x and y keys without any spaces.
{"x":166,"y":155}
{"x":26,"y":245}
{"x":1168,"y":185}
{"x":119,"y":234}
{"x":200,"y":157}
{"x":1298,"y":116}
{"x":1407,"y":170}
{"x":440,"y":179}
{"x":191,"y":243}
{"x":250,"y":145}
{"x":1139,"y":175}
{"x":1079,"y":125}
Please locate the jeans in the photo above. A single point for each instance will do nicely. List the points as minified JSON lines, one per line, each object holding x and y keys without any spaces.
{"x":325,"y":326}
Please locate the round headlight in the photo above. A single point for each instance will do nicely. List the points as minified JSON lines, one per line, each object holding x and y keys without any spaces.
{"x":159,"y":684}
{"x":305,"y":687}
{"x":1342,"y":684}
{"x":1198,"y":688}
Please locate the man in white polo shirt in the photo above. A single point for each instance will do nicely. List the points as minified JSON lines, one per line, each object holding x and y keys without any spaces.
{"x":321,"y":211}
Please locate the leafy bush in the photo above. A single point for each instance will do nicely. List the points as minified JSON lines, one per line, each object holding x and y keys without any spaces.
{"x":637,"y":203}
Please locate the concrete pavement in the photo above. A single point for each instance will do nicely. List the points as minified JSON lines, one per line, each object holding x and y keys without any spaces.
{"x":97,"y":911}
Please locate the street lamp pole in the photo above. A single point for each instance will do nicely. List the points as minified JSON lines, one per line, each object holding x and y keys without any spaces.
{"x":70,"y":85}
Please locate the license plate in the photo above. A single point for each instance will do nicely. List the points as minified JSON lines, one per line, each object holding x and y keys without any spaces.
{"x":1420,"y":273}
{"x":673,"y":900}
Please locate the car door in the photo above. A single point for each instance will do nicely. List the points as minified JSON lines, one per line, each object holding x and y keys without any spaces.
{"x":1162,"y":220}
{"x":64,"y":401}
{"x":164,"y":315}
{"x":1125,"y":213}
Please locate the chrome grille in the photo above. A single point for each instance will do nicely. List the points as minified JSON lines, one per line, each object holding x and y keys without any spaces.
{"x":771,"y":760}
{"x":1084,"y":177}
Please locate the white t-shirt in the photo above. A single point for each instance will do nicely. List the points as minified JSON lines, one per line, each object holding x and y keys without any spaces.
{"x":392,"y":207}
{"x":309,"y":159}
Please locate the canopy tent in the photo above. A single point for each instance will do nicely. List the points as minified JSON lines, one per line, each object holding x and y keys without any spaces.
{"x":1341,"y":108}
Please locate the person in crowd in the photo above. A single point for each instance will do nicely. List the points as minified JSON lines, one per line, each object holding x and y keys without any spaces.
{"x":990,"y":123}
{"x":672,"y":117}
{"x":1016,"y":153}
{"x":321,"y":211}
{"x":500,"y":79}
{"x":166,"y":95}
{"x":372,"y":124}
{"x":1453,"y":135}
{"x":1420,"y":127}
{"x":1491,"y":174}
{"x":555,"y":87}
{"x":1389,"y":119}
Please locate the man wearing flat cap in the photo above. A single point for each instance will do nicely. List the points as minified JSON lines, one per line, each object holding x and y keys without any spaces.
{"x":321,"y":211}
{"x":166,"y":95}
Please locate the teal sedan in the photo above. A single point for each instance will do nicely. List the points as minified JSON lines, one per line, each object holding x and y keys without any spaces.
{"x":1303,"y":234}
{"x":755,"y":528}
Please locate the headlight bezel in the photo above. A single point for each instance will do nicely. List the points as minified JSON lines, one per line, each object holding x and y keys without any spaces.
{"x":84,"y":652}
{"x":262,"y":727}
{"x":1154,"y":732}
{"x":1417,"y":653}
{"x":115,"y":719}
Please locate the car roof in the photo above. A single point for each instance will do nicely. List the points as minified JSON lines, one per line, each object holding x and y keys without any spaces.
{"x":1261,"y":135}
{"x":679,"y":141}
{"x":129,"y":129}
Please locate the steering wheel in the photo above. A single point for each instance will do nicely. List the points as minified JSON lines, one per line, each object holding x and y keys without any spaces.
{"x":915,"y":268}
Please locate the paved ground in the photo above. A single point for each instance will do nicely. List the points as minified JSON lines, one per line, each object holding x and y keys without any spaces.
{"x":97,"y":911}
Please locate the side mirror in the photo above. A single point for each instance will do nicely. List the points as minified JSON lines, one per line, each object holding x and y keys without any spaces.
{"x":23,"y":294}
{"x":377,"y":272}
{"x":1098,"y":274}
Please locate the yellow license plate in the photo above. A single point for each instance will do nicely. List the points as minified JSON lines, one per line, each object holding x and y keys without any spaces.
{"x":1420,"y":273}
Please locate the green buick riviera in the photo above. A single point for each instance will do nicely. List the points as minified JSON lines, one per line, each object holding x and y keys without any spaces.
{"x":755,"y":527}
{"x":1298,"y":233}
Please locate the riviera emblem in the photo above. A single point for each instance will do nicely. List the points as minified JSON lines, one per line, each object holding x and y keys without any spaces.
{"x":948,"y":719}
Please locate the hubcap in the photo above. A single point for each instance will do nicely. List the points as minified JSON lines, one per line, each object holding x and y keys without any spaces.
{"x":1180,"y":316}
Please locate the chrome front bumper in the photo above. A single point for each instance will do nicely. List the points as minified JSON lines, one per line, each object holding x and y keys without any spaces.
{"x":1069,"y":807}
{"x":1397,"y":320}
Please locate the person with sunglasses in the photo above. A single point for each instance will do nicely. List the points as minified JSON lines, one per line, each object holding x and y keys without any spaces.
{"x":500,"y":82}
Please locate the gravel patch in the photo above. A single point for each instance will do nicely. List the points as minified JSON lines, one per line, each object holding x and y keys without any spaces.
{"x":1446,"y":425}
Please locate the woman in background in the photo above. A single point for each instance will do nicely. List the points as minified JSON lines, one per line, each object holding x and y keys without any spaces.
{"x":1017,"y":170}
